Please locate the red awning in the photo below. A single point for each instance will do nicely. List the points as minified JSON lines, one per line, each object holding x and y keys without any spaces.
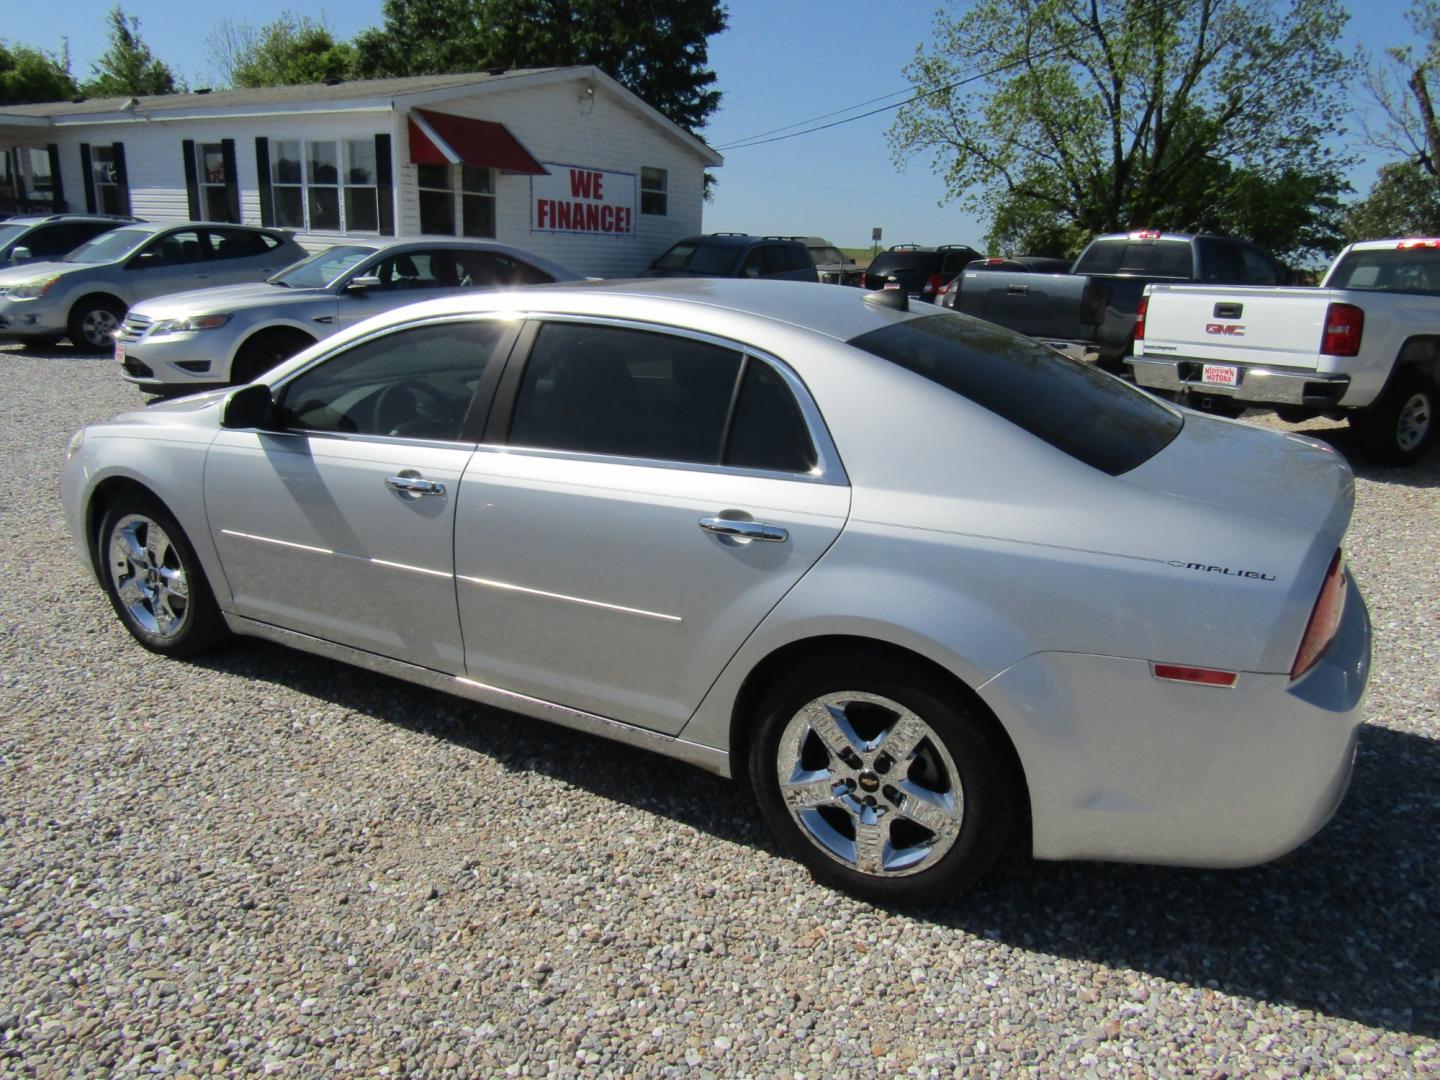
{"x":443,"y":139}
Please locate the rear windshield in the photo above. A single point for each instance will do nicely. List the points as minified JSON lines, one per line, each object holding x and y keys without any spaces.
{"x":1153,"y":258}
{"x":1093,"y":417}
{"x":698,"y":257}
{"x":823,"y":255}
{"x":1407,"y":270}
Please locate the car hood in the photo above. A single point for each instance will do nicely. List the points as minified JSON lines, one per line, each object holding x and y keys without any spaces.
{"x":225,"y":298}
{"x":14,"y":275}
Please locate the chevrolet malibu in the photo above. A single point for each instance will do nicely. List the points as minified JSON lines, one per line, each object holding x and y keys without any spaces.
{"x":919,"y":580}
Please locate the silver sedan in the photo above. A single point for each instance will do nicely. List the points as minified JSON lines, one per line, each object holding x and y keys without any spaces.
{"x":190,"y":340}
{"x":919,"y":580}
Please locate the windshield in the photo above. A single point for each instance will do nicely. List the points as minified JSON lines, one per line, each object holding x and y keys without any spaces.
{"x":10,"y":232}
{"x":322,"y":268}
{"x":698,"y":258}
{"x":107,"y":247}
{"x":1407,"y":270}
{"x":1093,"y":417}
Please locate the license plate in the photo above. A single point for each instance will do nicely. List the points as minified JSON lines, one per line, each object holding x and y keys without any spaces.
{"x":119,"y":353}
{"x":1220,"y":375}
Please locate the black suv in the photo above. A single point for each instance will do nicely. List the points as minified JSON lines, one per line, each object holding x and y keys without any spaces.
{"x":737,"y":255}
{"x":32,"y":239}
{"x":920,"y":271}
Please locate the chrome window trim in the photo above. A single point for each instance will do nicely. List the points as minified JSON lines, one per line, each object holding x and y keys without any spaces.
{"x":395,"y":328}
{"x":828,"y":467}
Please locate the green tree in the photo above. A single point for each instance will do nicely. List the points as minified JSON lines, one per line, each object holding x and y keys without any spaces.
{"x":292,"y":50}
{"x":1405,"y":201}
{"x":656,"y":49}
{"x":1060,"y":119}
{"x":28,"y":75}
{"x":128,"y":66}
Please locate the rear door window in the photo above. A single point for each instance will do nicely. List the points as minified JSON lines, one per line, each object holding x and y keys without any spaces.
{"x":1093,"y":417}
{"x":622,"y":392}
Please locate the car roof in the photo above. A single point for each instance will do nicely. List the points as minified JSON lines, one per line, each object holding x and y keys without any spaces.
{"x":717,"y":305}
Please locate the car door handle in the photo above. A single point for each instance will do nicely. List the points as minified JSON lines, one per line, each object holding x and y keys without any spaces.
{"x":414,"y":485}
{"x":745,"y":530}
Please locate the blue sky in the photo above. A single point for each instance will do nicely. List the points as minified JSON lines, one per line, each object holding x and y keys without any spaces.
{"x":781,"y":62}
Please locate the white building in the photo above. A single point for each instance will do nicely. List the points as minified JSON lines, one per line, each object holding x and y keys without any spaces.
{"x":564,"y":162}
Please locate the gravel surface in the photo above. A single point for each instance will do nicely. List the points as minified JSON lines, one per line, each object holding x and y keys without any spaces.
{"x":263,"y":862}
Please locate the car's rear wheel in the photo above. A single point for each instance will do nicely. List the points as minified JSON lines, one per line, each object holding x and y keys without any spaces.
{"x":1395,"y":429}
{"x":263,"y":352}
{"x":154,"y":580}
{"x":93,"y":323}
{"x":880,"y":781}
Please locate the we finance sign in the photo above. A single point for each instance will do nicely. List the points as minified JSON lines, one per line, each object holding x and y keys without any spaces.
{"x":574,"y":199}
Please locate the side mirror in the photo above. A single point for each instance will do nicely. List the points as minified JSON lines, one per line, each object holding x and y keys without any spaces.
{"x":248,"y":407}
{"x":21,"y":254}
{"x":362,"y":283}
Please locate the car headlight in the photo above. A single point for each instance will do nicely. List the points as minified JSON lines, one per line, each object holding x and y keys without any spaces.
{"x":184,"y":326}
{"x":76,"y":442}
{"x":36,"y":287}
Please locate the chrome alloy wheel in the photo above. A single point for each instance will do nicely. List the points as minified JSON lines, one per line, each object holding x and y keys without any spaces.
{"x":1414,"y":422}
{"x":148,"y":576}
{"x":870,"y":783}
{"x":99,"y":326}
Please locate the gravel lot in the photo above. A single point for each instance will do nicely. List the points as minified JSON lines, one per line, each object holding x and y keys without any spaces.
{"x":264,"y":862}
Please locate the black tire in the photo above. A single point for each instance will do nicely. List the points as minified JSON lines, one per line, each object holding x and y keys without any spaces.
{"x":146,"y":591}
{"x":1397,"y":427}
{"x":93,"y":322}
{"x":984,"y":784}
{"x":263,"y":352}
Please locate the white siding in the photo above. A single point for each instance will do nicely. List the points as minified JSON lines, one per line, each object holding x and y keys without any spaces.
{"x":555,"y":125}
{"x":556,"y":122}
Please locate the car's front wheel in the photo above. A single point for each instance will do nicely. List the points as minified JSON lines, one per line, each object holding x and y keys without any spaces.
{"x":262,"y":352}
{"x":93,"y":323}
{"x":154,"y":580}
{"x":883,"y":783}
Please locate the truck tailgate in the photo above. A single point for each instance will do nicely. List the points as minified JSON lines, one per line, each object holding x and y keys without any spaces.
{"x":1256,"y":324}
{"x":1046,"y":306}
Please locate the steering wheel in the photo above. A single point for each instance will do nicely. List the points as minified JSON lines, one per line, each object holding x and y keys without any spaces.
{"x":411,"y":407}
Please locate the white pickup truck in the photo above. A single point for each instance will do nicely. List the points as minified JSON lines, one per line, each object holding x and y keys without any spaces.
{"x":1365,"y":345}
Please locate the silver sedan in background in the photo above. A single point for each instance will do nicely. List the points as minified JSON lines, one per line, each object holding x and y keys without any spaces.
{"x":919,"y":579}
{"x":190,"y":340}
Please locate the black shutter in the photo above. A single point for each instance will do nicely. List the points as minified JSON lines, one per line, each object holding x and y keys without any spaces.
{"x":192,"y":178}
{"x":122,"y":178}
{"x":385,"y":185}
{"x":89,"y":176}
{"x":232,"y":180}
{"x":57,"y":187}
{"x":262,"y":165}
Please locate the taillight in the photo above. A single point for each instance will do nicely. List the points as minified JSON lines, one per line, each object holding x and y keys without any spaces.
{"x":1324,"y":620}
{"x":1140,"y":318}
{"x":1344,"y":324}
{"x":932,"y":283}
{"x":946,"y":289}
{"x":1405,"y":244}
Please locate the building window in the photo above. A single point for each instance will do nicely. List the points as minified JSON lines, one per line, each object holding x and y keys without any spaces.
{"x":307,"y":182}
{"x":287,"y":187}
{"x":362,"y":199}
{"x":441,"y":186}
{"x":110,"y":194}
{"x":322,"y":176}
{"x":214,"y":183}
{"x":653,"y":187}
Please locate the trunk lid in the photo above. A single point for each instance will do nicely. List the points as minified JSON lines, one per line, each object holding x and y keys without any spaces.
{"x":1257,"y":324}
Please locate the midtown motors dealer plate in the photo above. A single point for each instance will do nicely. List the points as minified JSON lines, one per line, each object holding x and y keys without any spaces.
{"x":1220,"y":375}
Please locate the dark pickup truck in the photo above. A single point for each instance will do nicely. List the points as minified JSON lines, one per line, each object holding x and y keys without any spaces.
{"x":1091,"y":310}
